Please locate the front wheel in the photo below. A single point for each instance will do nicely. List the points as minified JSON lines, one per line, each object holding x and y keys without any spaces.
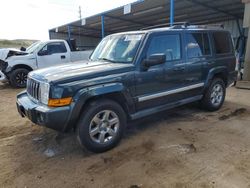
{"x":101,"y":126}
{"x":18,"y":77}
{"x":214,"y":96}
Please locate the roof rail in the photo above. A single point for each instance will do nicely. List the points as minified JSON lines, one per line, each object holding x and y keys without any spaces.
{"x":208,"y":26}
{"x":174,"y":25}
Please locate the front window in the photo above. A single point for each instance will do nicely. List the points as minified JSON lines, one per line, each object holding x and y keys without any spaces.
{"x":118,"y":48}
{"x":168,"y":44}
{"x":34,"y":47}
{"x":54,"y":48}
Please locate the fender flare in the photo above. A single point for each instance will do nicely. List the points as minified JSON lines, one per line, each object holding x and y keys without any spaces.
{"x":83,"y":95}
{"x":217,"y":70}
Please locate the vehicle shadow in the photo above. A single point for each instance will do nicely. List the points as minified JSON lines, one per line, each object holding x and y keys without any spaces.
{"x":5,"y":86}
{"x":67,"y":144}
{"x":58,"y":144}
{"x":178,"y":114}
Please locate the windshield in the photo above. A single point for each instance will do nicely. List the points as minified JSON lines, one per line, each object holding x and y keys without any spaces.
{"x":118,"y":48}
{"x":34,"y":46}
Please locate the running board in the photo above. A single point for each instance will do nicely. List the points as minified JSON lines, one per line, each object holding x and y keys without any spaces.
{"x":168,"y":106}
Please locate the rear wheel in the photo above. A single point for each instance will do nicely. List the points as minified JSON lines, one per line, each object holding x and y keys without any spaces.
{"x":101,"y":125}
{"x":18,"y":77}
{"x":215,"y":95}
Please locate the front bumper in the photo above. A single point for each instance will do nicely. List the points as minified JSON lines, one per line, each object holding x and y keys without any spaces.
{"x":54,"y":118}
{"x":3,"y":78}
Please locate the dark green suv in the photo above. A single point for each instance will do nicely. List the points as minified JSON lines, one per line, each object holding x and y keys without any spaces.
{"x":129,"y":76}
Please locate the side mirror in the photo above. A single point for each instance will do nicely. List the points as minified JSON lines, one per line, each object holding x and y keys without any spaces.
{"x":154,"y":59}
{"x":23,"y":49}
{"x":43,"y":52}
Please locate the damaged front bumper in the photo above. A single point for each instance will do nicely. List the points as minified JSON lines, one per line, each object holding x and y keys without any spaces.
{"x":3,"y":77}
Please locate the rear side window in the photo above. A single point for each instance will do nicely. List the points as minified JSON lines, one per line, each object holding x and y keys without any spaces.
{"x":168,"y":44}
{"x":198,"y":45}
{"x":222,"y":42}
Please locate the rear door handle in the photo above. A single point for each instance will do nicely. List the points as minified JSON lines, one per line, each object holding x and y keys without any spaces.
{"x":182,"y":68}
{"x":63,"y":56}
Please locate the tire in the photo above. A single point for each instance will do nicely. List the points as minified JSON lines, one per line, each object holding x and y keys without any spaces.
{"x":18,"y":77}
{"x":96,"y":119}
{"x":214,"y":95}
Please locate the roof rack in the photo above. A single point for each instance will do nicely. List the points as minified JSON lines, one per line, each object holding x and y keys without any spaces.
{"x":185,"y":25}
{"x":174,"y":25}
{"x":208,"y":26}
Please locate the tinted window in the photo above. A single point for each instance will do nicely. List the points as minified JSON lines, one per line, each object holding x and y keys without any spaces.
{"x":167,"y":44}
{"x":197,"y":45}
{"x":222,"y":42}
{"x":55,"y":47}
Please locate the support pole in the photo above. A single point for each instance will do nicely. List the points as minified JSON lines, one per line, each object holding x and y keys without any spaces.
{"x":246,"y":74}
{"x":246,"y":24}
{"x":69,"y":32}
{"x":171,"y":12}
{"x":103,"y":26}
{"x":241,"y":46}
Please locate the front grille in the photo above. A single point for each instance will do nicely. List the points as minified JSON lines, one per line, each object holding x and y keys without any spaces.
{"x":33,"y":88}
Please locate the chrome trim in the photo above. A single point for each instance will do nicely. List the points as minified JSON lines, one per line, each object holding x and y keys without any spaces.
{"x":165,"y":93}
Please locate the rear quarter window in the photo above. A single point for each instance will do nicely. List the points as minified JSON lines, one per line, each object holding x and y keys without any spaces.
{"x":222,"y":42}
{"x":197,"y":45}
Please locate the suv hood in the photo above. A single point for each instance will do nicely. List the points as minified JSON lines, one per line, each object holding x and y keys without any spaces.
{"x":79,"y":71}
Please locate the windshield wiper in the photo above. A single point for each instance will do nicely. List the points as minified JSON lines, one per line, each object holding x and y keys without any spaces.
{"x":105,"y":59}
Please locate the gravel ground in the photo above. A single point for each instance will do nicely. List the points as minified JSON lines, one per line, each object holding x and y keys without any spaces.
{"x":184,"y":147}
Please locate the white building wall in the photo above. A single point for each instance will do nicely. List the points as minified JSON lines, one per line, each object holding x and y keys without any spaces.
{"x":233,"y":28}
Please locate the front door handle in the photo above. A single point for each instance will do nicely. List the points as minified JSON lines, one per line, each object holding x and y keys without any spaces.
{"x":63,"y":56}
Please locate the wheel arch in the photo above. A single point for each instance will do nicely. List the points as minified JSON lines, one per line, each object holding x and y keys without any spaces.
{"x":219,"y":72}
{"x":115,"y":92}
{"x":22,"y":66}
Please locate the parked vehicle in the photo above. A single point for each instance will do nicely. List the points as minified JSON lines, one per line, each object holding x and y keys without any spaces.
{"x":129,"y":76}
{"x":15,"y":64}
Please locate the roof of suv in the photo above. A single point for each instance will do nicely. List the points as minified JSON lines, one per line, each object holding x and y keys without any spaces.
{"x":176,"y":28}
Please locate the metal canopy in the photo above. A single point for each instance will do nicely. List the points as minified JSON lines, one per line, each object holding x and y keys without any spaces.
{"x":153,"y":12}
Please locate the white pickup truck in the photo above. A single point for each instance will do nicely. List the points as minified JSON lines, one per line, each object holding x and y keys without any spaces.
{"x":15,"y":65}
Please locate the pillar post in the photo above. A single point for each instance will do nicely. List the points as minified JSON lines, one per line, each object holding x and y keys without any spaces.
{"x":103,"y":25}
{"x":246,"y":24}
{"x":171,"y":12}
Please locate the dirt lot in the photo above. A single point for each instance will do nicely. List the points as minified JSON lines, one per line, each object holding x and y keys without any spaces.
{"x":185,"y":147}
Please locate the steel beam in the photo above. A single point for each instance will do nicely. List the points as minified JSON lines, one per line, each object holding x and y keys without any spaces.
{"x":212,"y":8}
{"x":127,"y":20}
{"x":103,"y":25}
{"x":171,"y":12}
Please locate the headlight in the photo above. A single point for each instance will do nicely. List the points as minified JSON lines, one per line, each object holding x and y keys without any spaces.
{"x":44,"y":92}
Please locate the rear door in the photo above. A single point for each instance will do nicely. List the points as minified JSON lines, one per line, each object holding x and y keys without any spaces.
{"x":53,"y":53}
{"x":198,"y":56}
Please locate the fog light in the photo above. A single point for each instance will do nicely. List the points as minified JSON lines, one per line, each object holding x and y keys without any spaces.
{"x":40,"y":118}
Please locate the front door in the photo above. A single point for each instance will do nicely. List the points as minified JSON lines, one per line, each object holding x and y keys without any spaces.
{"x":154,"y":86}
{"x":53,"y":53}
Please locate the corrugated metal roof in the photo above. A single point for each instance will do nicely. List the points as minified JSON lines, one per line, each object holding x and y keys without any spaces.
{"x":152,"y":12}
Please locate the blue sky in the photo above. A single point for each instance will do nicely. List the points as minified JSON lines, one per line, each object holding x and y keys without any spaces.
{"x":31,"y":19}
